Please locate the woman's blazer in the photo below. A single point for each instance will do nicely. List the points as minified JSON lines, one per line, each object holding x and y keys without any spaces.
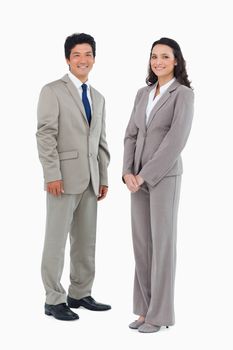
{"x":153,"y":150}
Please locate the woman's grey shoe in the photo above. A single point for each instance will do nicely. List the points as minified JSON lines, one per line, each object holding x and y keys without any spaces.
{"x":136,"y":324}
{"x":148,"y":328}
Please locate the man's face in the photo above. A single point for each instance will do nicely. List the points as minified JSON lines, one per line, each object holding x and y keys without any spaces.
{"x":81,"y":61}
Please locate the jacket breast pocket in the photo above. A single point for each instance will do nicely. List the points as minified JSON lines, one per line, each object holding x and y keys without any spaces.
{"x":68,"y":155}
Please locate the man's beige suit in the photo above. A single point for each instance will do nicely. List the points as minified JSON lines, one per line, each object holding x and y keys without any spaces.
{"x":153,"y":151}
{"x":72,"y":151}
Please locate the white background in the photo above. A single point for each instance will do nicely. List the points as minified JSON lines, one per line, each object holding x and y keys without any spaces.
{"x":32,"y":38}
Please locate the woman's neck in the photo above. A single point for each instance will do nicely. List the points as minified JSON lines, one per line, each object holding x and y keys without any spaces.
{"x":164,"y":80}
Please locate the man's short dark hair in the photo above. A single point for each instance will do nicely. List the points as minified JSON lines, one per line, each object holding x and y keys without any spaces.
{"x":79,"y":38}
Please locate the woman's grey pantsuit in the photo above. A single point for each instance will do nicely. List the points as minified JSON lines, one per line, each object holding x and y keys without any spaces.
{"x":154,"y":221}
{"x":152,"y":150}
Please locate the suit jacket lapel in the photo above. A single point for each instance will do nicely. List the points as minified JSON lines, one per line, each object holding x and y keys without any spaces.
{"x":75,"y":95}
{"x":162,"y":101}
{"x":142,"y":108}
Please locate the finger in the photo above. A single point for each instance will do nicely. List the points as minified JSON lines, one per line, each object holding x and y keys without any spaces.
{"x":137,"y":189}
{"x":131,"y":188}
{"x":58,"y":189}
{"x":135,"y":182}
{"x":134,"y":188}
{"x":54,"y":191}
{"x":100,"y":197}
{"x":139,"y":180}
{"x":104,"y":195}
{"x":130,"y":183}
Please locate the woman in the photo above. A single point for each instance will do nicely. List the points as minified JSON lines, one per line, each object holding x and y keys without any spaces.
{"x":156,"y":134}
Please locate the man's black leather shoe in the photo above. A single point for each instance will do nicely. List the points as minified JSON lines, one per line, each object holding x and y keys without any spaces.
{"x":60,"y":312}
{"x":87,"y":302}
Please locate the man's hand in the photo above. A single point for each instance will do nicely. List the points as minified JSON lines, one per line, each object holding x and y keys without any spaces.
{"x":131,"y":182}
{"x":55,"y":187}
{"x":102,"y":192}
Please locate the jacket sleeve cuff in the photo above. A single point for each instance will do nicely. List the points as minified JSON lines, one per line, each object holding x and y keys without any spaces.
{"x":52,"y":175}
{"x":147,"y":179}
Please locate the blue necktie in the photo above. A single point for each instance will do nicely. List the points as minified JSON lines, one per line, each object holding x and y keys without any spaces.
{"x":86,"y":103}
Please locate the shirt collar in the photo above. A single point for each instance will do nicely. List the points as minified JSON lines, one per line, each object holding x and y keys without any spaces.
{"x":164,"y":87}
{"x":78,"y":83}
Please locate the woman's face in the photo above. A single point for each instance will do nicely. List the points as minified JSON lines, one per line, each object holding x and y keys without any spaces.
{"x":163,"y":61}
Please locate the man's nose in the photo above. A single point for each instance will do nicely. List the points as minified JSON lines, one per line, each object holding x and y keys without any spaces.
{"x":82,"y":59}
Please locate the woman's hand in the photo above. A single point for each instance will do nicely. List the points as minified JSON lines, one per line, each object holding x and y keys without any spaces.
{"x":139,"y":180}
{"x":132,"y":182}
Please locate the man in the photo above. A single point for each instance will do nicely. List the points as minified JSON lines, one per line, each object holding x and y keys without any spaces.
{"x":74,"y":155}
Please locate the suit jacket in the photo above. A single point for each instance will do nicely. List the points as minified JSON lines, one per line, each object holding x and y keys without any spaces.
{"x":68,"y":148}
{"x":153,"y":150}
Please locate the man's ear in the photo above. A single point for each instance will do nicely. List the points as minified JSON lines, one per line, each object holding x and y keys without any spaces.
{"x":68,"y":62}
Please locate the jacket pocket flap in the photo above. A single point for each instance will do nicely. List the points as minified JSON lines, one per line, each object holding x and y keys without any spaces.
{"x":68,"y":155}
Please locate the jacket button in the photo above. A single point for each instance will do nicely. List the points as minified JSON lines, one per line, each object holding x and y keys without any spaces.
{"x":89,"y":155}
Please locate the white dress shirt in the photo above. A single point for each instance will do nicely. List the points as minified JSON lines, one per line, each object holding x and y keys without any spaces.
{"x":78,"y":85}
{"x":152,"y":100}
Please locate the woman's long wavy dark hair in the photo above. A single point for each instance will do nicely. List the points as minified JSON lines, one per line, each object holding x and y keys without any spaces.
{"x":180,"y":72}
